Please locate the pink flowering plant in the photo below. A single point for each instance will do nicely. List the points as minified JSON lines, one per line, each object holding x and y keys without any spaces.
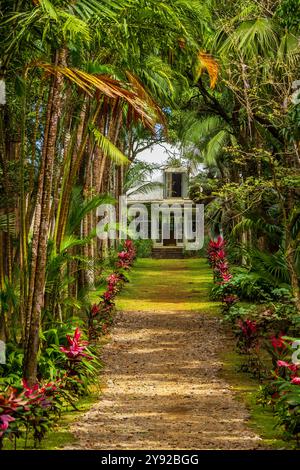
{"x":247,"y":334}
{"x":287,"y":406}
{"x":100,"y":315}
{"x":217,"y":259}
{"x":26,"y":410}
{"x":79,"y":363}
{"x":285,"y":386}
{"x":277,"y":348}
{"x":76,"y":346}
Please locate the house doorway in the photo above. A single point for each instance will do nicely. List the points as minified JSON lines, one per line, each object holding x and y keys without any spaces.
{"x":171,"y":241}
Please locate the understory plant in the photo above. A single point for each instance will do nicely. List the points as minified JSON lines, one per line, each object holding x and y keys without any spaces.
{"x":31,"y":411}
{"x":264,"y":334}
{"x":100,"y":314}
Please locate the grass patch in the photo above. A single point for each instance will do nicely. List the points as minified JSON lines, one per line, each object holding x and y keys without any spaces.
{"x":168,"y":284}
{"x":262,"y":419}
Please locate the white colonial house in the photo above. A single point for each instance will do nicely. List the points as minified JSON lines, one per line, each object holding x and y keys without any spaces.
{"x":172,"y":194}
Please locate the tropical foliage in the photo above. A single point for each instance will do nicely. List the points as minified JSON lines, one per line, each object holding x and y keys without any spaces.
{"x":85,"y":87}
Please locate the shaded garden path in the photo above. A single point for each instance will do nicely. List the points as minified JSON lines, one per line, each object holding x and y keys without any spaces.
{"x":161,"y":386}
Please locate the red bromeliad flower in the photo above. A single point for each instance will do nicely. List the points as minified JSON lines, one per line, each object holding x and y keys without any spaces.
{"x":125,"y":260}
{"x":216,"y":252}
{"x":296,"y":381}
{"x":123,"y":255}
{"x":4,"y":423}
{"x":226,"y":277}
{"x":76,"y":347}
{"x":126,"y":257}
{"x":248,"y":327}
{"x":113,"y":278}
{"x":217,"y":245}
{"x":40,"y":395}
{"x":291,"y":367}
{"x":107,"y":296}
{"x":278,"y":343}
{"x":217,"y":260}
{"x":10,"y":401}
{"x":128,"y":244}
{"x":223,"y":266}
{"x":30,"y":392}
{"x":95,"y":310}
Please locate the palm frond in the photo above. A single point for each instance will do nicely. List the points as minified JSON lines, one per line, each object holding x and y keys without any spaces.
{"x":215,"y":147}
{"x":108,"y":148}
{"x":48,"y":8}
{"x":208,"y":63}
{"x":271,"y":266}
{"x":145,"y":97}
{"x":80,"y":207}
{"x":258,"y":225}
{"x":252,"y":38}
{"x":108,"y":86}
{"x":202,"y":130}
{"x":144,"y":188}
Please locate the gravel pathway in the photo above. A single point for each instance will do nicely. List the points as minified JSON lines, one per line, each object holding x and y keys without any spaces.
{"x":162,"y":388}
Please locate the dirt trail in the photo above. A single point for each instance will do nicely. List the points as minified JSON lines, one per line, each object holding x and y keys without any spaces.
{"x":163,"y":388}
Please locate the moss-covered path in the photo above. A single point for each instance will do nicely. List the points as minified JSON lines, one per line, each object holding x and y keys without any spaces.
{"x":162,"y":387}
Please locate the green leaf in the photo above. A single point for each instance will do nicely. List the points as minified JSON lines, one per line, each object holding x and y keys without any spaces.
{"x":108,"y":148}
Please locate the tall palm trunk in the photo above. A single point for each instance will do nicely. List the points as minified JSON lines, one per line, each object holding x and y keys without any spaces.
{"x":37,"y":275}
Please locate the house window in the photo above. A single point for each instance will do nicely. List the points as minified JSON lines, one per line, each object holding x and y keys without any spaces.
{"x":176,"y":185}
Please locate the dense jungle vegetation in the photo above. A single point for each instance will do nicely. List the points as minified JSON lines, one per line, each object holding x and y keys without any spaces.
{"x":85,"y":87}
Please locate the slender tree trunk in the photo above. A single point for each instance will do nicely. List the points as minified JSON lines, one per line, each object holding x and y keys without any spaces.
{"x":37,"y":276}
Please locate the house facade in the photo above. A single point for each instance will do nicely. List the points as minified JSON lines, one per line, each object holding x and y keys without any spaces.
{"x":172,"y":196}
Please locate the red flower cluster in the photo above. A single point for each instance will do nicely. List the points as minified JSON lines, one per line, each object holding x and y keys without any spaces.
{"x":14,"y":402}
{"x":216,"y":252}
{"x":115,"y":280}
{"x":217,"y":260}
{"x":278,"y":343}
{"x":248,"y":327}
{"x":40,"y":394}
{"x":76,"y":346}
{"x":127,"y":256}
{"x":10,"y":403}
{"x":293,"y":368}
{"x":4,"y":423}
{"x":230,"y":300}
{"x":95,"y":310}
{"x":296,"y":381}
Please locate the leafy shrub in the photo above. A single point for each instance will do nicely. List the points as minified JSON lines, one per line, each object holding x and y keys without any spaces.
{"x":237,"y":312}
{"x":143,"y":248}
{"x":247,"y":286}
{"x":71,"y":365}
